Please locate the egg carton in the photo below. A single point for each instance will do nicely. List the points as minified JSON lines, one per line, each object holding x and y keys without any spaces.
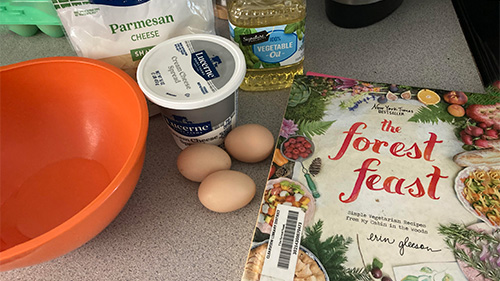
{"x":27,"y":17}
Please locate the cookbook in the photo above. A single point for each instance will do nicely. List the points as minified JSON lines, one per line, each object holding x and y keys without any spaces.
{"x":377,"y":181}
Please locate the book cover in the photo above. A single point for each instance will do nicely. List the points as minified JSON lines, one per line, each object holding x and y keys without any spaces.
{"x":375,"y":181}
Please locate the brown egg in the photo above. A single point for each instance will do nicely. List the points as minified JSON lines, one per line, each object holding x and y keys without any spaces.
{"x":249,"y":143}
{"x":226,"y":191}
{"x":197,"y":161}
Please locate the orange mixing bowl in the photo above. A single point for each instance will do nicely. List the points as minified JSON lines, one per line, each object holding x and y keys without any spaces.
{"x":73,"y":134}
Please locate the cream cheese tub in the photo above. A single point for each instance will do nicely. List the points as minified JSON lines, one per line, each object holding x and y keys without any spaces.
{"x":194,"y":79}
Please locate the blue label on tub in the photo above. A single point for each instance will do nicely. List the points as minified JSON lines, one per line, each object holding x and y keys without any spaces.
{"x":117,"y":2}
{"x":180,"y":48}
{"x":204,"y":65}
{"x":185,"y":127}
{"x":279,"y":47}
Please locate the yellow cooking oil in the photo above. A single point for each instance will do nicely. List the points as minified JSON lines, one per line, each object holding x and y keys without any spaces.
{"x":271,"y":35}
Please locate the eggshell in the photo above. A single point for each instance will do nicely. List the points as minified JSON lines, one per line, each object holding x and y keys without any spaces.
{"x":249,"y":143}
{"x":197,"y":161}
{"x":226,"y":191}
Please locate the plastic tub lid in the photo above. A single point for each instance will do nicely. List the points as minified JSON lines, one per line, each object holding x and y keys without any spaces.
{"x":191,"y":71}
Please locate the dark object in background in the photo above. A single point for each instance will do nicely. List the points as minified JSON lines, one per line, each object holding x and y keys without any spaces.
{"x":480,"y":23}
{"x":359,"y":13}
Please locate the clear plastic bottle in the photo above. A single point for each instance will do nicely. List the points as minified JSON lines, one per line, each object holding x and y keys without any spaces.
{"x":271,"y":35}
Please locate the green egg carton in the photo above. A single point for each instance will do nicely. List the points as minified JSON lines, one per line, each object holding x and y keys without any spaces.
{"x":26,"y":17}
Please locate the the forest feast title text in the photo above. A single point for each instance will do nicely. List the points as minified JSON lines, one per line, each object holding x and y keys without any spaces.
{"x":392,"y":184}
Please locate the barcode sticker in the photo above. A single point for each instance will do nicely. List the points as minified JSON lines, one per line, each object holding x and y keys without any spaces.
{"x":284,"y":242}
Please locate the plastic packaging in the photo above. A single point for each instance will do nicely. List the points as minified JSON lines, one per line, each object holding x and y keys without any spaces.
{"x":121,"y":32}
{"x":194,"y":79}
{"x":26,"y":17}
{"x":271,"y":35}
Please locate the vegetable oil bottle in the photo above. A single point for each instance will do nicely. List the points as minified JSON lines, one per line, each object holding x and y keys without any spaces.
{"x":271,"y":35}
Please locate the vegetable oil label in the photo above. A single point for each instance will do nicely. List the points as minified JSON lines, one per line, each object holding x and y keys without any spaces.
{"x":272,"y":46}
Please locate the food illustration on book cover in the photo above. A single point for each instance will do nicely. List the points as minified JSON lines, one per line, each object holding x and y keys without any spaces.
{"x":374,"y":181}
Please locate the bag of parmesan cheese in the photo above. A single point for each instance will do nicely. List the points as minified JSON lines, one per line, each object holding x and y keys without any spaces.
{"x":121,"y":32}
